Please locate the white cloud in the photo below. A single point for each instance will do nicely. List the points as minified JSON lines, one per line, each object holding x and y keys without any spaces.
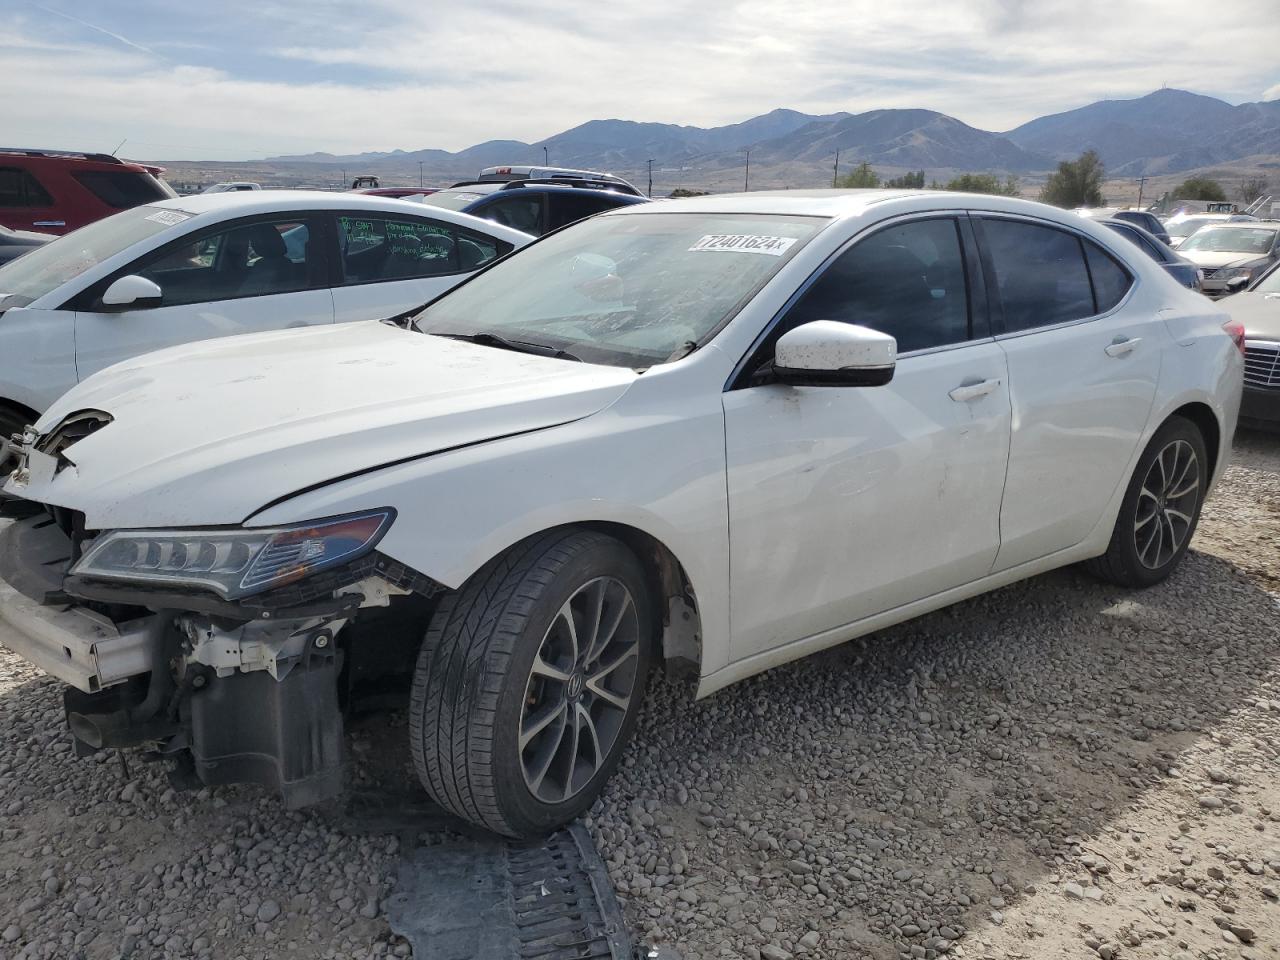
{"x":405,"y":74}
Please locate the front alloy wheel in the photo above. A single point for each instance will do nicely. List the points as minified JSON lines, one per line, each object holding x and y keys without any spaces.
{"x":529,"y":682}
{"x":580,"y":690}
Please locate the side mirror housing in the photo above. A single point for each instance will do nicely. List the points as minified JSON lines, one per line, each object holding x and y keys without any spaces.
{"x":826,"y":353}
{"x":1236,"y":284}
{"x":132,"y":292}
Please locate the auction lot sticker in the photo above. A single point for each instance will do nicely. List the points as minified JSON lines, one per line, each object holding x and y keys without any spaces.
{"x":168,"y":217}
{"x":744,"y":243}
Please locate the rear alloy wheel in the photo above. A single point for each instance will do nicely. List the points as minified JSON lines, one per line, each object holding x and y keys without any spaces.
{"x":1160,"y":510}
{"x":529,"y":682}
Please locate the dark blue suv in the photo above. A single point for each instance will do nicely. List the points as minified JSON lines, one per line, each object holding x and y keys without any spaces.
{"x":535,"y":206}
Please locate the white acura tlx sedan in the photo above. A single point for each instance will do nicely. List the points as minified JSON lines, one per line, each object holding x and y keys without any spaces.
{"x":722,"y":432}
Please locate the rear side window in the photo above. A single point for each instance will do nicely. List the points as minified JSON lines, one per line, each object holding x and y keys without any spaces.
{"x":403,"y":248}
{"x":907,"y":280}
{"x":1110,"y":280}
{"x":121,"y":189}
{"x":18,"y":188}
{"x":1040,"y":274}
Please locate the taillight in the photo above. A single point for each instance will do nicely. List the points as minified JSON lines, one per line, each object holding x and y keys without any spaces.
{"x":1235,"y":330}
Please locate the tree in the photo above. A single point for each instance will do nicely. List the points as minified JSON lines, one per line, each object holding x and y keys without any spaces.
{"x":1200,"y":188}
{"x":679,"y":192}
{"x":1076,"y":183}
{"x":862,"y":176}
{"x":984,"y":183}
{"x":1251,"y":189}
{"x":908,"y":181}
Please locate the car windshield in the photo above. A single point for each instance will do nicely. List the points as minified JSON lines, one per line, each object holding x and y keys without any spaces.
{"x":625,"y":290}
{"x":46,"y":268}
{"x":1185,"y":228}
{"x":1257,"y":240}
{"x":453,"y":199}
{"x":1270,"y":283}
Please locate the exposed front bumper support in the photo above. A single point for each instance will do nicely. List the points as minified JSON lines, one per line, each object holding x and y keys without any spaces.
{"x":78,"y":647}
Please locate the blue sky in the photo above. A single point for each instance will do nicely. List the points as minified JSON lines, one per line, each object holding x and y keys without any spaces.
{"x":233,"y":79}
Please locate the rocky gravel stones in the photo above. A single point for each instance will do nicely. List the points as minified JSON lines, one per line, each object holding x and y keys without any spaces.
{"x":1023,"y":774}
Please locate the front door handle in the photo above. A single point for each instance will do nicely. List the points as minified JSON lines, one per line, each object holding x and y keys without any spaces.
{"x":1121,"y":346}
{"x":972,"y":391}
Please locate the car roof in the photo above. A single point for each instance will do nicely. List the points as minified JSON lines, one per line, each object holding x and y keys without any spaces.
{"x":1242,"y":225}
{"x":247,"y":203}
{"x":839,"y":204}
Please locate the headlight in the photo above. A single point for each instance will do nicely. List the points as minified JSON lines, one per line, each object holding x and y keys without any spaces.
{"x":233,"y":563}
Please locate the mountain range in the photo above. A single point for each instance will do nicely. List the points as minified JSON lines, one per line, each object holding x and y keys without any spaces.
{"x":1163,"y":132}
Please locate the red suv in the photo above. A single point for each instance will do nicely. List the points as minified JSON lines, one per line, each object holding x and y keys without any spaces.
{"x":55,"y":191}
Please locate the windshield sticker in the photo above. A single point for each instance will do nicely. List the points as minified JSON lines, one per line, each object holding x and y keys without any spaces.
{"x":168,"y":217}
{"x":744,"y":243}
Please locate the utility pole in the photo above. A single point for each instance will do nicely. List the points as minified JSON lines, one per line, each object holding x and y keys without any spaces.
{"x":651,"y":176}
{"x":419,"y":174}
{"x":746,"y":175}
{"x":1142,"y":182}
{"x":835,"y":171}
{"x":546,"y":157}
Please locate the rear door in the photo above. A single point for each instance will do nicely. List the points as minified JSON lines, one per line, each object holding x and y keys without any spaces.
{"x":1083,"y":369}
{"x":260,"y":273}
{"x":25,"y":203}
{"x":845,"y":502}
{"x":388,"y":264}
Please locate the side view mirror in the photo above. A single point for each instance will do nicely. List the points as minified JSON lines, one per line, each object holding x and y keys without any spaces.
{"x":133,"y":291}
{"x":1236,"y":284}
{"x":826,"y":353}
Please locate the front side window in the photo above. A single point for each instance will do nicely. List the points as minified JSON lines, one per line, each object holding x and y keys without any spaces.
{"x":631,"y":290}
{"x":381,"y":248}
{"x":907,"y":281}
{"x":519,"y":212}
{"x":46,"y":268}
{"x":18,"y":188}
{"x":1039,"y":272}
{"x":249,"y":260}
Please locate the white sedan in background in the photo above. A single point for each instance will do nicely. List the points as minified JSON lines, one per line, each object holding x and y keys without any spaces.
{"x":212,"y":265}
{"x":725,"y":431}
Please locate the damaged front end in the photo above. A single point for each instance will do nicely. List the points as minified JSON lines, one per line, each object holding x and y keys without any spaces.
{"x":226,"y":649}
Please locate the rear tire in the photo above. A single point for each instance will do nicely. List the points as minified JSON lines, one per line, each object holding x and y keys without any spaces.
{"x":1160,"y":510}
{"x":529,"y":682}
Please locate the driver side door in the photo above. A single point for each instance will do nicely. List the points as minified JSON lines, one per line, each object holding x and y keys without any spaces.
{"x":846,"y":502}
{"x":261,"y":273}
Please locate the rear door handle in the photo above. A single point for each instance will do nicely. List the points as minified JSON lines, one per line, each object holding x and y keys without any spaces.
{"x":972,"y":391}
{"x":1122,"y":345}
{"x":49,"y":223}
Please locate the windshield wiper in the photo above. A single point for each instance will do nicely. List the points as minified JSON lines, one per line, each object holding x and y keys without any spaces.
{"x":517,"y":346}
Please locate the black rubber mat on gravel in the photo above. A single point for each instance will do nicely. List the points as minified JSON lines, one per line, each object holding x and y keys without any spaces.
{"x":495,"y":900}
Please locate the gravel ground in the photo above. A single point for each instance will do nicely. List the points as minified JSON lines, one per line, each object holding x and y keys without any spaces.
{"x":1058,"y":769}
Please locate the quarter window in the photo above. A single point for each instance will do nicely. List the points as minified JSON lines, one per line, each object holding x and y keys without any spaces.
{"x":1040,"y":274}
{"x":907,"y":280}
{"x":122,"y":189}
{"x":18,"y":188}
{"x":1110,"y":280}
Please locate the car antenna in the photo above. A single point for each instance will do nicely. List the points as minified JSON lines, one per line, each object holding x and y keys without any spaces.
{"x":119,"y":145}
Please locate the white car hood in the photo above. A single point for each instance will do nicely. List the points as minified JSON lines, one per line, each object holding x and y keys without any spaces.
{"x":1210,"y":260}
{"x":208,"y":433}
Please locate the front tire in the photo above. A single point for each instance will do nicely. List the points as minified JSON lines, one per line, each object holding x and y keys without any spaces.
{"x":529,"y":682}
{"x":1160,"y":510}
